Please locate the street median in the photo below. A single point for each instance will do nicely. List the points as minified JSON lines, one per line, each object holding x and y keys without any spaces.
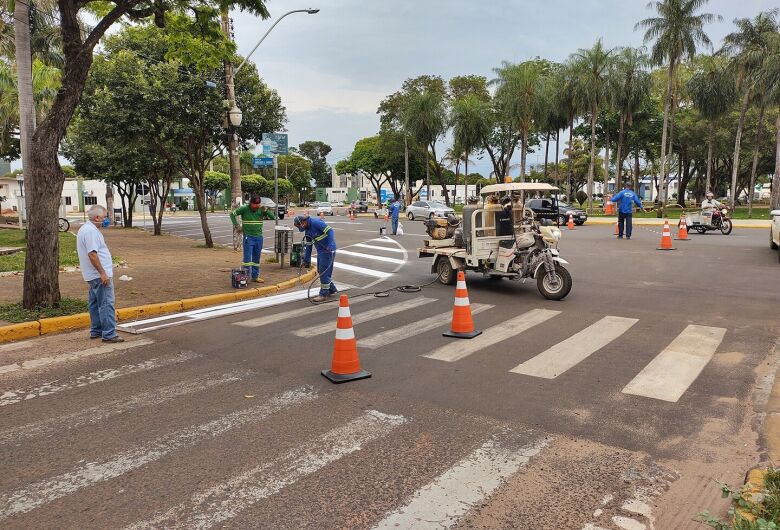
{"x":26,"y":330}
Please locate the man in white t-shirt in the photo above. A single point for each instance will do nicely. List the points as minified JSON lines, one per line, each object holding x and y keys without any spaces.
{"x":97,"y":270}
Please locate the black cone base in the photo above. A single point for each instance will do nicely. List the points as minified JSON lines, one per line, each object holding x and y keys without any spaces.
{"x":345,"y":378}
{"x":469,"y":335}
{"x":659,"y":248}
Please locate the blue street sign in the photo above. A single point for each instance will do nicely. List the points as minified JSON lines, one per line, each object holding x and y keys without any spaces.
{"x":262,"y":161}
{"x":384,"y":195}
{"x":280,"y":139}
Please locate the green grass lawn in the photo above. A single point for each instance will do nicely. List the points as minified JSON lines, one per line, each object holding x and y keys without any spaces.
{"x":759,"y":212}
{"x":10,"y":237}
{"x":16,"y":313}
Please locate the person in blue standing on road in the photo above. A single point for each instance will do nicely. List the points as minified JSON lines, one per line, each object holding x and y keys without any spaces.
{"x":395,"y":211}
{"x":324,"y":240}
{"x":626,"y":200}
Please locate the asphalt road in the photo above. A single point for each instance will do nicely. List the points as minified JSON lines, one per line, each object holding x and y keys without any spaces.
{"x":614,"y":408}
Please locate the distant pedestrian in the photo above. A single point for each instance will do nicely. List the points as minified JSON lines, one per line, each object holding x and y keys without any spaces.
{"x":97,"y":270}
{"x":252,"y":216}
{"x":395,"y":211}
{"x":322,"y":238}
{"x":626,"y":200}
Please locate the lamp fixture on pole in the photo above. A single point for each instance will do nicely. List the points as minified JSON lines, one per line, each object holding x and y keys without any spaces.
{"x":235,"y":116}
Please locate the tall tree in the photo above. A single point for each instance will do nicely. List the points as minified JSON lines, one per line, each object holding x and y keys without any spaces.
{"x":470,"y":127}
{"x":630,"y":87}
{"x":316,"y":151}
{"x":593,"y":67}
{"x":770,"y":72}
{"x":747,"y":46}
{"x":678,"y":29}
{"x":44,"y":176}
{"x":426,"y":120}
{"x":712,"y":90}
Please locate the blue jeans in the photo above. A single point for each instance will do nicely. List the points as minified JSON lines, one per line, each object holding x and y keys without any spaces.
{"x":102,"y":316}
{"x":253,"y":245}
{"x":325,"y":270}
{"x":395,"y":224}
{"x":627,"y":219}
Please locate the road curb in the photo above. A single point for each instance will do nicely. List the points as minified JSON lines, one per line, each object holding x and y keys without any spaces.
{"x":43,"y":326}
{"x":751,"y":493}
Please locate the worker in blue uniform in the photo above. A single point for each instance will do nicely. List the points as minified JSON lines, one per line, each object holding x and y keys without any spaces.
{"x":395,"y":210}
{"x":626,"y":200}
{"x":324,"y":240}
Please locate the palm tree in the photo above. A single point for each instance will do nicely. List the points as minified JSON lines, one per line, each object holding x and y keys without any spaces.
{"x":454,"y":157}
{"x":630,"y":87}
{"x":747,"y":46}
{"x":770,"y":73}
{"x":677,"y":31}
{"x":470,"y":127}
{"x":593,"y":67}
{"x":522,"y":86}
{"x":425,"y":119}
{"x":569,"y":105}
{"x":712,"y":90}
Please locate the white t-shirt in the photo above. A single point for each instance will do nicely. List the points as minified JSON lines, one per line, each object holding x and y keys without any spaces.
{"x":709,"y":204}
{"x":89,"y":239}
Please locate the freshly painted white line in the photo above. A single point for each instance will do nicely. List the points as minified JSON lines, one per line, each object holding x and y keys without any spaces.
{"x":572,"y":351}
{"x":370,"y":256}
{"x":467,"y":484}
{"x":10,"y":397}
{"x":359,"y":270}
{"x":178,"y":319}
{"x":228,"y":499}
{"x":414,"y":329}
{"x":458,"y":349}
{"x":378,"y":247}
{"x":93,"y":415}
{"x":294,"y":313}
{"x":56,"y":359}
{"x":669,"y":375}
{"x":385,"y":239}
{"x":47,"y":490}
{"x":368,"y":316}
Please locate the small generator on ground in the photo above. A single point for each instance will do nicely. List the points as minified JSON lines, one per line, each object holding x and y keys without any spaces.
{"x":239,"y":278}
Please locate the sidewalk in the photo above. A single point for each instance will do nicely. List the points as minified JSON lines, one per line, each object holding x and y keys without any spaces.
{"x":162,"y":268}
{"x":737,"y":223}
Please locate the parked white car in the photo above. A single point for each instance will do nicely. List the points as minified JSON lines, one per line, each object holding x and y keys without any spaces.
{"x":774,"y":231}
{"x":427,"y":210}
{"x":322,"y":208}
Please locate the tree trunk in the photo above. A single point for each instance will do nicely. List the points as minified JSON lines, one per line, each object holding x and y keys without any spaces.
{"x":710,"y":142}
{"x":754,"y":168}
{"x":557,"y":148}
{"x":466,"y":181}
{"x":571,"y":146}
{"x":427,"y":176}
{"x":110,"y":202}
{"x":667,"y":105}
{"x":24,"y":89}
{"x":592,"y":164}
{"x":669,"y":152}
{"x":775,"y":199}
{"x":606,"y":166}
{"x":523,"y":155}
{"x":230,"y":93}
{"x":200,"y":203}
{"x":636,"y":170}
{"x":738,"y":141}
{"x":546,"y":154}
{"x":618,"y":155}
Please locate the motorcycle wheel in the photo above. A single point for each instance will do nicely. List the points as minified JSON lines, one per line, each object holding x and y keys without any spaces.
{"x":553,"y":290}
{"x":725,"y":227}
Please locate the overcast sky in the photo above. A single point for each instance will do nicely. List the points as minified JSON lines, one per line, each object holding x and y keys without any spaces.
{"x":332,"y":69}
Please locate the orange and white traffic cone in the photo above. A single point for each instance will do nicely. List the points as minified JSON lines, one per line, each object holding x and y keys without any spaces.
{"x":666,"y":238}
{"x":570,"y":223}
{"x":462,"y":326}
{"x":345,"y":365}
{"x":682,"y":229}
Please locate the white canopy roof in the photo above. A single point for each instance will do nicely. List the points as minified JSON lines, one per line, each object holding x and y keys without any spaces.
{"x":517,"y":186}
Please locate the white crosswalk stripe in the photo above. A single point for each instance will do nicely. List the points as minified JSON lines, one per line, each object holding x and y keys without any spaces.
{"x":669,"y":375}
{"x":366,"y":316}
{"x":293,"y":313}
{"x":570,"y":352}
{"x":376,"y":257}
{"x":414,"y":329}
{"x":454,"y":351}
{"x":377,"y":247}
{"x":47,"y":490}
{"x":64,"y":357}
{"x":228,"y":499}
{"x":93,"y":415}
{"x":358,"y":270}
{"x":10,"y":397}
{"x":466,"y":484}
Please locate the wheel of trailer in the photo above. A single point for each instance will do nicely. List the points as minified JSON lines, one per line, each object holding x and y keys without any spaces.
{"x":410,"y":215}
{"x":552,"y":289}
{"x":63,"y":225}
{"x":700,"y":229}
{"x":726,"y":227}
{"x":446,"y":274}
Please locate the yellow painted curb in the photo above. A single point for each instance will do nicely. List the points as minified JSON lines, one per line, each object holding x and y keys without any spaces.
{"x":24,"y":330}
{"x":146,"y":310}
{"x":54,"y":324}
{"x":754,"y":485}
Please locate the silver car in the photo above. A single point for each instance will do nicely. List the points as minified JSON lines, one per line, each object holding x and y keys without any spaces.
{"x":324,"y":208}
{"x":427,"y":210}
